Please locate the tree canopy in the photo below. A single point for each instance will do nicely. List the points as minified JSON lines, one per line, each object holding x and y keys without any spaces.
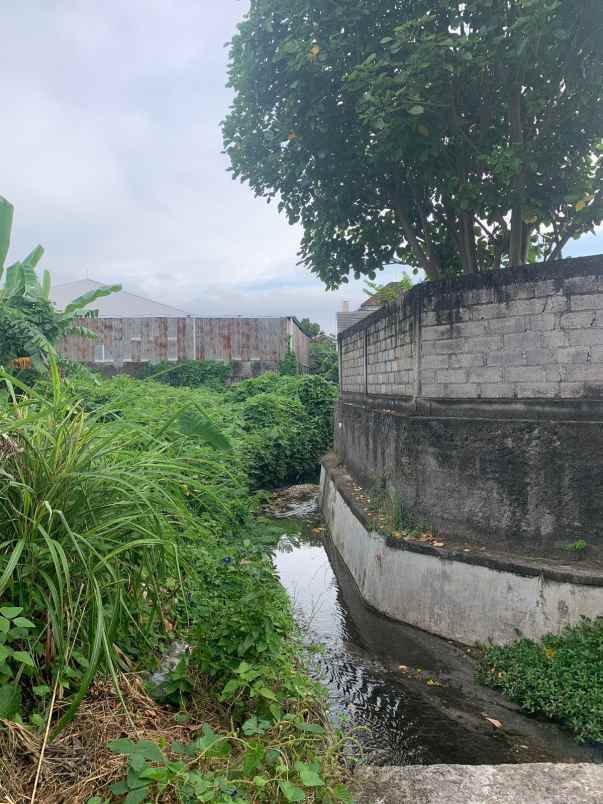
{"x":449,"y":136}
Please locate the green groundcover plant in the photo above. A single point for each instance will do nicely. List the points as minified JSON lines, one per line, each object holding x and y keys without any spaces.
{"x":560,"y":677}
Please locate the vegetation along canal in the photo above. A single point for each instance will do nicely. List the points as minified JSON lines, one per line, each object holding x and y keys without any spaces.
{"x":411,"y":697}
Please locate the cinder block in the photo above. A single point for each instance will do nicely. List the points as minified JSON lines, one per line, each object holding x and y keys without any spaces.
{"x":436,"y":333}
{"x":497,"y":390}
{"x":572,"y":354}
{"x":464,"y":390}
{"x":531,"y":374}
{"x":467,"y":361}
{"x":523,"y":290}
{"x":435,"y":391}
{"x":545,"y":322}
{"x":583,"y":284}
{"x":555,"y":340}
{"x":434,"y":361}
{"x":537,"y":390}
{"x":585,"y":337}
{"x":589,"y":301}
{"x":590,"y":373}
{"x":470,"y":329}
{"x":503,"y":326}
{"x":489,"y":344}
{"x":489,"y":374}
{"x":522,"y":340}
{"x":451,"y":375}
{"x":540,"y":357}
{"x":582,"y":320}
{"x":507,"y":357}
{"x":447,"y":347}
{"x":528,"y":307}
{"x":556,"y":373}
{"x":572,"y":390}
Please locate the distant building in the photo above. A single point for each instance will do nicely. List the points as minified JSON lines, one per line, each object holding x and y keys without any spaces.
{"x":133,"y":331}
{"x":347,"y":318}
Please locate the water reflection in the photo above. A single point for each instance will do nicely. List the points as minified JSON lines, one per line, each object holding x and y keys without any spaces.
{"x":402,"y":719}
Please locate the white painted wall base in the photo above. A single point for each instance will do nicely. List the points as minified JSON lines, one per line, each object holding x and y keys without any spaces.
{"x":465,"y":602}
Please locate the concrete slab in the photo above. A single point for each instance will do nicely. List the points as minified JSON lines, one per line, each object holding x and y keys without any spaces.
{"x":480,"y":784}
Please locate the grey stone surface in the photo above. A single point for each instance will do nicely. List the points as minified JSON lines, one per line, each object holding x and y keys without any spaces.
{"x":480,"y":784}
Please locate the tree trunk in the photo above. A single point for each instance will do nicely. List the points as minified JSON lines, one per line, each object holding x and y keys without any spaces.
{"x":517,"y":225}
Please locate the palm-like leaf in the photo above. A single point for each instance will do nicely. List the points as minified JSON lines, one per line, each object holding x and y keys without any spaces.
{"x":88,"y":298}
{"x":6,"y":223}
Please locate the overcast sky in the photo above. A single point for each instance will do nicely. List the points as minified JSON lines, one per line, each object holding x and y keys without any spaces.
{"x":110,"y":150}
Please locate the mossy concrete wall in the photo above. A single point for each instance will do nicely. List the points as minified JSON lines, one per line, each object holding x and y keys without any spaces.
{"x":479,"y":402}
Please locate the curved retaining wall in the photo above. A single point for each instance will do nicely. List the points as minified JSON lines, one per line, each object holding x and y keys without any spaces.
{"x":479,"y":402}
{"x":466,"y":599}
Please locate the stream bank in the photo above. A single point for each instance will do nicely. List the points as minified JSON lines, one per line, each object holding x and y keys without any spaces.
{"x":410,"y":696}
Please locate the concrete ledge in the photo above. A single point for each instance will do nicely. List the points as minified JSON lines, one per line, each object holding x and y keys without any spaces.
{"x":449,"y":596}
{"x":466,"y":784}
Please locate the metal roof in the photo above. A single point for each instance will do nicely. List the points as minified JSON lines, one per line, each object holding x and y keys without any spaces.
{"x":117,"y":305}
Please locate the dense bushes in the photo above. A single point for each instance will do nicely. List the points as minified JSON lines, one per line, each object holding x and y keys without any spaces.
{"x":560,"y":678}
{"x":190,"y":374}
{"x":127,"y":519}
{"x":288,"y":424}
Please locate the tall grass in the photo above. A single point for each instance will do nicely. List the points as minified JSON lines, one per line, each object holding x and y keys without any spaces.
{"x":90,"y":516}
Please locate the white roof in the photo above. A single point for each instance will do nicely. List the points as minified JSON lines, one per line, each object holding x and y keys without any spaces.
{"x":117,"y":305}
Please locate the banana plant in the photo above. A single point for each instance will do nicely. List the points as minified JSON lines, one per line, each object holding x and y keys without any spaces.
{"x":30,"y":325}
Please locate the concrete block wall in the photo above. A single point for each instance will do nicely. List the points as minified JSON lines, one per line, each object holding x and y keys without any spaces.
{"x":391,"y":354}
{"x":352,"y":358}
{"x":534,"y":332}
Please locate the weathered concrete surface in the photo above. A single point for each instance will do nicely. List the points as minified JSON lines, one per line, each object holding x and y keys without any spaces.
{"x":480,"y":784}
{"x":510,"y":475}
{"x":479,"y":401}
{"x":465,"y":600}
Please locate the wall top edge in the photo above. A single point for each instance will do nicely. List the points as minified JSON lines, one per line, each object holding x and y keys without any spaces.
{"x":559,"y":270}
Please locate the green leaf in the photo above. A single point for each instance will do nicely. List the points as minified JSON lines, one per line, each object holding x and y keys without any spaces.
{"x":122,"y":746}
{"x":342,"y":793}
{"x":136,"y":796}
{"x":265,"y":692}
{"x":5,"y":653}
{"x":416,"y":110}
{"x":119,"y":788}
{"x":150,"y":751}
{"x":195,"y":423}
{"x":291,"y":792}
{"x":308,"y":775}
{"x":10,"y":612}
{"x":23,"y":657}
{"x":10,"y":700}
{"x":6,"y":223}
{"x":23,"y":622}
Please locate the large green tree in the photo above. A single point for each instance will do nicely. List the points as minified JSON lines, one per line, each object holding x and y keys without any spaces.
{"x":448,"y":136}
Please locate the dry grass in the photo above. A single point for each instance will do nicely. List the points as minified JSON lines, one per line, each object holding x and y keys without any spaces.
{"x":78,"y":765}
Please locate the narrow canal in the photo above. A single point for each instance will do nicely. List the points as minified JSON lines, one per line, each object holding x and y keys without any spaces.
{"x":410,"y":697}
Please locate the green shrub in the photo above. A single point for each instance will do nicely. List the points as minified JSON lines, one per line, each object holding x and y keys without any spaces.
{"x":91,"y":515}
{"x":190,"y":374}
{"x":288,"y":365}
{"x":560,"y":677}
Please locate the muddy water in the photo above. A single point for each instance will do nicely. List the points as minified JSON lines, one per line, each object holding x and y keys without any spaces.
{"x":410,"y":697}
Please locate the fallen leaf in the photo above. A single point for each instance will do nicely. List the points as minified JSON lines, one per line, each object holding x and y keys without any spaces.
{"x":403,"y":668}
{"x":496,"y":723}
{"x":439,"y":544}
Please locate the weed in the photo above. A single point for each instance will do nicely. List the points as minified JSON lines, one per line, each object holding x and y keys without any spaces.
{"x":578,"y":547}
{"x":559,"y":677}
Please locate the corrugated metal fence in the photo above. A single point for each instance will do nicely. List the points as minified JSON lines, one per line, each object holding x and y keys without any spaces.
{"x":122,"y":341}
